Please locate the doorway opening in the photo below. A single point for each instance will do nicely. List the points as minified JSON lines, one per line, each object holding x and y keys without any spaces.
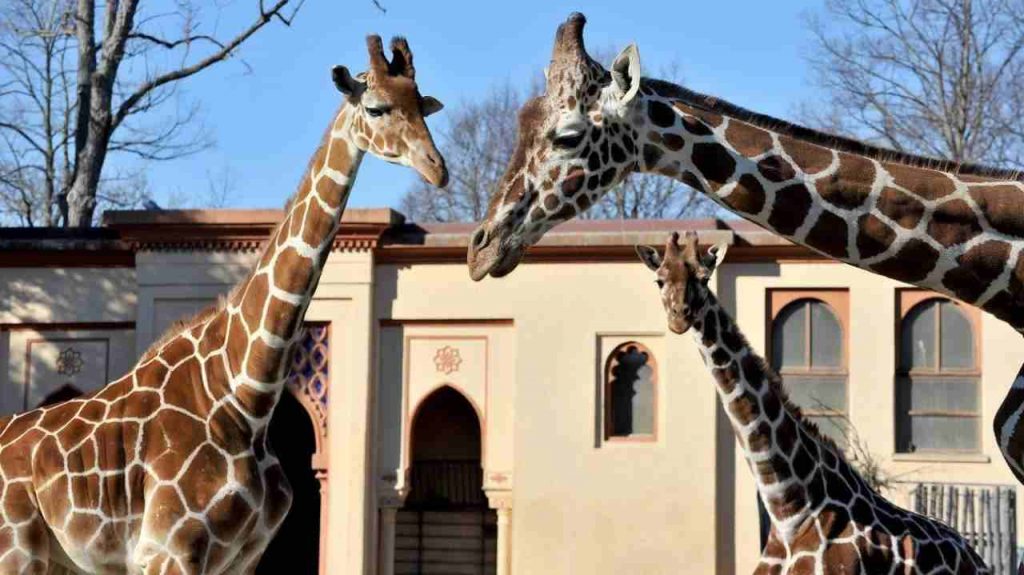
{"x":446,"y":526}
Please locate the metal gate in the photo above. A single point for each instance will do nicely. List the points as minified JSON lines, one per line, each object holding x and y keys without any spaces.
{"x":446,"y":542}
{"x":986,"y":515}
{"x":446,"y":527}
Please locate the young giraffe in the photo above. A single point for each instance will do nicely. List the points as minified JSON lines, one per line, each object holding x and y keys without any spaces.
{"x":956,"y":229}
{"x":824,"y":517}
{"x":167,"y":469}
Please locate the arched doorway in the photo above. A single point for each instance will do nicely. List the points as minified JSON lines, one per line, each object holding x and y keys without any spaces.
{"x":296,"y":547}
{"x":446,"y":526}
{"x":297,"y":431}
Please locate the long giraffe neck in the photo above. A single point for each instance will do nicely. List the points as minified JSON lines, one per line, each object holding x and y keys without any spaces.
{"x":785,"y":454}
{"x":264,"y":314}
{"x":952,"y":231}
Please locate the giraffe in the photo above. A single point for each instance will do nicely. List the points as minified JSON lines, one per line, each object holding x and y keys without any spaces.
{"x":825,"y":518}
{"x":167,"y":469}
{"x":956,"y":229}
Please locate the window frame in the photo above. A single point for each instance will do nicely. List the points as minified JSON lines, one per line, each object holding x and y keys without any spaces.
{"x":608,"y":410}
{"x":908,"y":300}
{"x":837,"y":300}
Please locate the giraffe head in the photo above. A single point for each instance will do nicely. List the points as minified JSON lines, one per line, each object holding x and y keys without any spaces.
{"x":575,"y":142}
{"x":682,"y":276}
{"x":388,"y":110}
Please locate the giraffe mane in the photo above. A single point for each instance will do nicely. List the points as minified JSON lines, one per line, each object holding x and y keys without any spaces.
{"x":179,"y":326}
{"x":840,"y":143}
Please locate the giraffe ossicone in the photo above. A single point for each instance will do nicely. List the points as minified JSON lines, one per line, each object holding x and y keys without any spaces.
{"x":956,"y":229}
{"x":825,"y":518}
{"x":167,"y":469}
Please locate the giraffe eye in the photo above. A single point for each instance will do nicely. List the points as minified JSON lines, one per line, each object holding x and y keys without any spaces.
{"x":376,"y":112}
{"x":568,"y":141}
{"x":660,"y":282}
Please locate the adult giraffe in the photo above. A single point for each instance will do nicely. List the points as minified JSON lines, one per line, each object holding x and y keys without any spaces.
{"x":167,"y":469}
{"x":824,"y":517}
{"x":955,"y":229}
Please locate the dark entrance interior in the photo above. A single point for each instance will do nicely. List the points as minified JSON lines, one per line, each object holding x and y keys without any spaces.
{"x":296,"y":548}
{"x":446,"y":526}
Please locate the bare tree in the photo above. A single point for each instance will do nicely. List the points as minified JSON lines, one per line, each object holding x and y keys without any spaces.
{"x":935,"y":77}
{"x":76,"y":88}
{"x":477,"y":142}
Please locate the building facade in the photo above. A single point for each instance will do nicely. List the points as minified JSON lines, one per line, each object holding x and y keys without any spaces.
{"x":546,"y":422}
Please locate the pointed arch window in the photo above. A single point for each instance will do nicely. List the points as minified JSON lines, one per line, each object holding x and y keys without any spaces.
{"x":807,"y":346}
{"x":630,"y":392}
{"x":938,"y":403}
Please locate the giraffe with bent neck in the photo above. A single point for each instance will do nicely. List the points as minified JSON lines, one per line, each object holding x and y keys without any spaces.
{"x":825,"y":518}
{"x":167,"y":469}
{"x":956,"y":229}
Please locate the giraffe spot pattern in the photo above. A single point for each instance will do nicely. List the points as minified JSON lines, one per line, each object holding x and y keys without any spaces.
{"x":980,"y":266}
{"x":1001,"y":206}
{"x":810,"y":158}
{"x":747,"y":140}
{"x":714,"y":162}
{"x":911,"y":264}
{"x":798,"y":204}
{"x":900,"y":207}
{"x":829,"y":235}
{"x":748,"y":197}
{"x":873,"y":236}
{"x":775,"y":169}
{"x":953,"y":223}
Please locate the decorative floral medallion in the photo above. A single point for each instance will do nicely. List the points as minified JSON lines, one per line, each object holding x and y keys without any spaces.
{"x":447,"y":360}
{"x":69,"y":362}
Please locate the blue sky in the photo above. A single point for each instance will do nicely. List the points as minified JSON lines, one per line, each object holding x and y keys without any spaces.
{"x":267,"y":121}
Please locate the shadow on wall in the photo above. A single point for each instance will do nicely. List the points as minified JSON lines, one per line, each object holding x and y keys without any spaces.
{"x":67,"y":295}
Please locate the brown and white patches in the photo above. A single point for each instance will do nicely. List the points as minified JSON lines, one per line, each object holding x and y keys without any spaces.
{"x":829,"y":234}
{"x":873,"y":236}
{"x":714,"y":162}
{"x":810,"y":158}
{"x":775,"y":168}
{"x":926,"y":184}
{"x":1002,"y":206}
{"x":748,"y":140}
{"x":850,"y":185}
{"x":661,"y":114}
{"x":953,"y":223}
{"x":900,"y":207}
{"x":914,"y":261}
{"x":791,"y":207}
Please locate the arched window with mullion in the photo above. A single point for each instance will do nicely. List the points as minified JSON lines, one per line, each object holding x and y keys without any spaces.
{"x":807,"y":349}
{"x":937,"y":391}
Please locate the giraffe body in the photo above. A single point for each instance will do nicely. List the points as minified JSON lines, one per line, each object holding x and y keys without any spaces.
{"x":955,"y":229}
{"x":825,"y":518}
{"x":167,"y":470}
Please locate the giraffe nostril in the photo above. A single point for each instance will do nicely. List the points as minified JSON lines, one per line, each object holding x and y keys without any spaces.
{"x":479,"y":238}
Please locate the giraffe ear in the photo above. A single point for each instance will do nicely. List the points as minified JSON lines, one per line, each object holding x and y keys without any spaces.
{"x":626,"y":73}
{"x":347,"y":84}
{"x":431,"y":105}
{"x":649,"y":256}
{"x":713,"y":259}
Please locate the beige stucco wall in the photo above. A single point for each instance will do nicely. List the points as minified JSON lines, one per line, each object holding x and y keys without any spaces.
{"x":67,"y":295}
{"x":95,"y":309}
{"x":579,"y":504}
